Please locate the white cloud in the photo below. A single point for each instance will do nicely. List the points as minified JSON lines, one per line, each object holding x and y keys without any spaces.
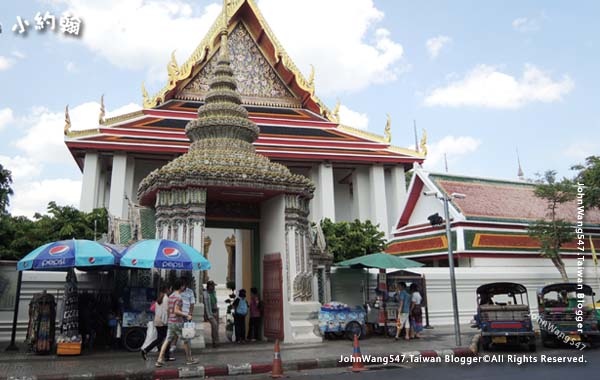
{"x":71,"y":67}
{"x":453,"y":147}
{"x":33,"y":196}
{"x":18,"y":54}
{"x":580,"y":150}
{"x":342,"y":43}
{"x":486,"y":86}
{"x":21,"y":167}
{"x":353,"y":119}
{"x":43,"y":144}
{"x":434,"y":45}
{"x":524,"y":24}
{"x":6,"y":63}
{"x":141,"y":34}
{"x":6,"y":117}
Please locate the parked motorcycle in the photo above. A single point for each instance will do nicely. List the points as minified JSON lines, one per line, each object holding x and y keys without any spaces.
{"x":229,"y":326}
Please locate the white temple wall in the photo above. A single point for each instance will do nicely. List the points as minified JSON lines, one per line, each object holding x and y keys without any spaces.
{"x":343,"y":198}
{"x":395,"y":191}
{"x":425,"y":207}
{"x":361,"y":196}
{"x":467,"y":281}
{"x":89,"y":184}
{"x":323,"y":202}
{"x":378,"y":197}
{"x":121,"y":184}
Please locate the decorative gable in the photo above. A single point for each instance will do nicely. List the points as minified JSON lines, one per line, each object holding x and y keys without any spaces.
{"x":257,"y":81}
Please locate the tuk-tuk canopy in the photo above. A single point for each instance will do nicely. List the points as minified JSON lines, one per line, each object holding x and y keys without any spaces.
{"x":380,"y":260}
{"x":567,"y":286}
{"x":501,"y":288}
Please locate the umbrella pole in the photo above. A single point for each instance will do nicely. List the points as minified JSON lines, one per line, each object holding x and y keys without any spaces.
{"x":12,"y":346}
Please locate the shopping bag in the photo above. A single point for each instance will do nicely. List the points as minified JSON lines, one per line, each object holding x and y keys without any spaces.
{"x":151,"y":335}
{"x":189,"y":330}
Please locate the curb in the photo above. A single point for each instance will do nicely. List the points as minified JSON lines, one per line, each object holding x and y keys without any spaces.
{"x":256,"y":368}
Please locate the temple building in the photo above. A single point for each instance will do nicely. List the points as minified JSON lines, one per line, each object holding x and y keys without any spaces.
{"x":489,"y":223}
{"x":238,"y":140}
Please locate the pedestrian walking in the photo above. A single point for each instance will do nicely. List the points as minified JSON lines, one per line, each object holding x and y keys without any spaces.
{"x":256,"y":311}
{"x":404,"y":305}
{"x":416,"y":314}
{"x":161,"y":317}
{"x":211,"y":311}
{"x":175,"y":325}
{"x":240,"y":310}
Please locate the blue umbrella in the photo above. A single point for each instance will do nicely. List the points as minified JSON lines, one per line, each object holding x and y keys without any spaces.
{"x":164,"y":254}
{"x":65,"y":254}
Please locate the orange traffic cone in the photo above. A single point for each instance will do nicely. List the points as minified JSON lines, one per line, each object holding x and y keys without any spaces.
{"x":357,"y":364}
{"x":277,"y":370}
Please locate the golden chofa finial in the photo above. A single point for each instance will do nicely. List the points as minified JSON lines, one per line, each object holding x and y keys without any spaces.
{"x":102,"y":110}
{"x":388,"y":129}
{"x":173,"y":69}
{"x":311,"y":78}
{"x":336,"y":111}
{"x":423,"y":144}
{"x":67,"y":127}
{"x":145,"y":97}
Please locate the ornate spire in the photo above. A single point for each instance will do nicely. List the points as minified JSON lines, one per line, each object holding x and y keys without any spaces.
{"x":336,"y":111}
{"x":67,"y":127}
{"x":222,"y":154}
{"x":520,"y":173}
{"x":102,"y":110}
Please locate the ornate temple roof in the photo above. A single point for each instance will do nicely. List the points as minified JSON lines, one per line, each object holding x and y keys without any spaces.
{"x":293,"y":123}
{"x":221,"y":154}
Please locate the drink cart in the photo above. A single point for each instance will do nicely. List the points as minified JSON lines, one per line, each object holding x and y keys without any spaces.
{"x":136,"y":315}
{"x":337,"y":320}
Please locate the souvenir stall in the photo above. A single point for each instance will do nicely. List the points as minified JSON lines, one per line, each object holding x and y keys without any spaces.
{"x":61,"y":256}
{"x":40,"y":330}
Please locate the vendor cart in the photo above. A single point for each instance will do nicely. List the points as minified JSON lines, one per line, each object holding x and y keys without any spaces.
{"x":338,"y":320}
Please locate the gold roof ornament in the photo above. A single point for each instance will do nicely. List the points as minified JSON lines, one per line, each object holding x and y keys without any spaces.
{"x":311,"y":79}
{"x":102,"y":111}
{"x":423,"y":144}
{"x":388,"y":129}
{"x":67,"y":127}
{"x":173,"y":69}
{"x":145,"y":98}
{"x":336,"y":111}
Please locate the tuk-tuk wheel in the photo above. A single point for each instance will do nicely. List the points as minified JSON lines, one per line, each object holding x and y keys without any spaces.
{"x":353,"y":328}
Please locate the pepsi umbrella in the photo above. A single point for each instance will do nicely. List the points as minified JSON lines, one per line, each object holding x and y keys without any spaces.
{"x":65,"y":254}
{"x":164,"y":254}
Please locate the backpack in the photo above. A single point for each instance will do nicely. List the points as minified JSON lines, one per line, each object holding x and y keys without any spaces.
{"x":242,"y":307}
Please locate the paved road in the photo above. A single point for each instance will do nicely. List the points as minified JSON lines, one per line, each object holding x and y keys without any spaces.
{"x":505,"y":366}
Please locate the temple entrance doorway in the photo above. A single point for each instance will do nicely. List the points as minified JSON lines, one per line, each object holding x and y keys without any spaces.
{"x":232,"y":247}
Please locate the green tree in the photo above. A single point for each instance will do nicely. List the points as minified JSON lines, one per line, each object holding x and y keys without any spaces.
{"x":553,"y":232}
{"x":5,"y":189}
{"x":347,"y":240}
{"x":589,"y":175}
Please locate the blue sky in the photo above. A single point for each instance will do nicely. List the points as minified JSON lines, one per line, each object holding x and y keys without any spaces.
{"x":482,"y":78}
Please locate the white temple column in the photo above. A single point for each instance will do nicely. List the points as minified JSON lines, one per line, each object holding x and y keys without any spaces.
{"x":239,"y":250}
{"x":89,"y":184}
{"x":326,"y":192}
{"x":360,"y":194}
{"x":121,"y":185}
{"x":396,"y":195}
{"x":378,"y":200}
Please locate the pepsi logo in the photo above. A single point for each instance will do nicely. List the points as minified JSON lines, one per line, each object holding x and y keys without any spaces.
{"x":58,"y":250}
{"x":134,"y":262}
{"x":92,"y":260}
{"x":170,"y":252}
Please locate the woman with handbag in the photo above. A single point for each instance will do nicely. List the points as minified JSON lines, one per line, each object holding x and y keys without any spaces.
{"x":161,"y":316}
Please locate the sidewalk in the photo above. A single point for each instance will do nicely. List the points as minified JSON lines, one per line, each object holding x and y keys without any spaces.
{"x":228,"y":359}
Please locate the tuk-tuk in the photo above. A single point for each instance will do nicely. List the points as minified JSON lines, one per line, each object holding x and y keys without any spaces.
{"x":503,"y":315}
{"x":567,"y":310}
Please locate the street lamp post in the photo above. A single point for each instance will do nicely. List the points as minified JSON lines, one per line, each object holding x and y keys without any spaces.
{"x":451,"y":266}
{"x":446,"y":199}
